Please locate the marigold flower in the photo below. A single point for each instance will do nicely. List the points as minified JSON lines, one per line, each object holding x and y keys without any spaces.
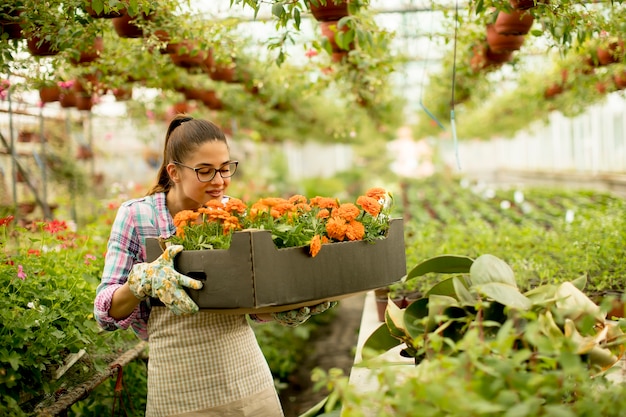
{"x":282,"y":208}
{"x":336,"y":228}
{"x":184,"y":217}
{"x":303,"y":207}
{"x":324,"y":202}
{"x":231,"y":224}
{"x":316,"y":245}
{"x":369,"y":204}
{"x":323,"y":214}
{"x":355,"y":230}
{"x":377,"y":193}
{"x":297,"y":199}
{"x":235,"y":205}
{"x":347,"y":211}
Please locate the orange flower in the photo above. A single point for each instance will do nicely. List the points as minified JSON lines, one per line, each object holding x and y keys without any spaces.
{"x":303,"y":207}
{"x":282,"y":208}
{"x":323,"y":214}
{"x":235,"y":205}
{"x":369,"y":204}
{"x":297,"y":199}
{"x":377,"y":193}
{"x":258,"y":208}
{"x":336,"y":228}
{"x":316,"y":245}
{"x":347,"y":211}
{"x":324,"y":202}
{"x":184,"y":217}
{"x":355,"y":230}
{"x":231,"y":224}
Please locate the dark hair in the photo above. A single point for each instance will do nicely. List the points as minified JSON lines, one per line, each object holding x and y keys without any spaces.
{"x":184,"y":135}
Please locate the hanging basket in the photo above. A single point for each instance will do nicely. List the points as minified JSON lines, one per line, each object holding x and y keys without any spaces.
{"x":49,"y":94}
{"x":103,"y":15}
{"x":40,"y":47}
{"x":125,"y":26}
{"x":620,"y":80}
{"x":518,"y":22}
{"x":330,"y":30}
{"x":525,"y":4}
{"x":612,"y":53}
{"x":503,"y":43}
{"x":186,"y":54}
{"x":11,"y":24}
{"x":67,"y":99}
{"x":91,"y":53}
{"x":84,"y":102}
{"x":330,"y":11}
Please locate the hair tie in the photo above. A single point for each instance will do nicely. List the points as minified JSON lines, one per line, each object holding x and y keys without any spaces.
{"x":178,"y":122}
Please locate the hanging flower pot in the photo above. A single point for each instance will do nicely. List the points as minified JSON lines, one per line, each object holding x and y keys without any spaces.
{"x":556,"y":88}
{"x":503,"y":43}
{"x":620,"y":79}
{"x":103,"y":14}
{"x":330,"y":11}
{"x":84,"y":152}
{"x":220,"y":71}
{"x":26,"y":136}
{"x":126,"y":27}
{"x":611,"y":53}
{"x":123,"y":94}
{"x":186,"y":54}
{"x":84,"y":102}
{"x":164,"y":38}
{"x":40,"y":47}
{"x":49,"y":93}
{"x":518,"y":22}
{"x":11,"y":23}
{"x":210,"y":99}
{"x":525,"y":4}
{"x":91,"y":53}
{"x":331,"y":31}
{"x":67,"y":99}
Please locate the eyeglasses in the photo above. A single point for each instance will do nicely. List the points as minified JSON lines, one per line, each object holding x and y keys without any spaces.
{"x":206,"y":174}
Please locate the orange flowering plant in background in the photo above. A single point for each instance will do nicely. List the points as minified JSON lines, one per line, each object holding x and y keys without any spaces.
{"x":294,"y":221}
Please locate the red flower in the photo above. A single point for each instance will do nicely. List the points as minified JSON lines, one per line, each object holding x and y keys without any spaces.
{"x":5,"y":221}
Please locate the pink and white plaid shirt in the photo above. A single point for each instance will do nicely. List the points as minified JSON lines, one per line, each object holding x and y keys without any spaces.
{"x":136,"y":220}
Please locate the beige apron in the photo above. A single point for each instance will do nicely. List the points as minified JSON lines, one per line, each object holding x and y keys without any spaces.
{"x":207,"y":365}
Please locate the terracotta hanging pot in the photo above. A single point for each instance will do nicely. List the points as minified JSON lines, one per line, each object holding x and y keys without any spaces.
{"x":164,"y":38}
{"x":123,"y":94}
{"x":91,"y":53}
{"x":518,"y":22}
{"x":186,"y":54}
{"x":49,"y":94}
{"x":556,"y":88}
{"x":84,"y":152}
{"x":524,"y":4}
{"x":611,"y":53}
{"x":503,"y":43}
{"x":11,"y":24}
{"x":330,"y":30}
{"x":67,"y":99}
{"x":498,"y":58}
{"x":620,"y":80}
{"x":330,"y":11}
{"x":126,"y":27}
{"x":84,"y":102}
{"x":103,"y":15}
{"x":40,"y":47}
{"x":210,"y":99}
{"x":220,"y":71}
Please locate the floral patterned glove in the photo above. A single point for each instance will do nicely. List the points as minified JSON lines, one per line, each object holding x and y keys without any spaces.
{"x":293,"y":318}
{"x":160,"y":279}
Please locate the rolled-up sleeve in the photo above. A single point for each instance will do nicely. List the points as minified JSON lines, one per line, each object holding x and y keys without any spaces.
{"x":124,"y":249}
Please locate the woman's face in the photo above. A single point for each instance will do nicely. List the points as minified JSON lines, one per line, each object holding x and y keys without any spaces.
{"x":193,"y":193}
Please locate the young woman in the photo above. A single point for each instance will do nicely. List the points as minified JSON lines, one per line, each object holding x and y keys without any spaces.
{"x":201,"y":363}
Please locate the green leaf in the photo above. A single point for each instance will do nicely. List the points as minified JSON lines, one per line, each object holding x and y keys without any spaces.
{"x":505,"y":294}
{"x":442,"y":264}
{"x":488,"y":268}
{"x":380,"y":341}
{"x":278,"y":10}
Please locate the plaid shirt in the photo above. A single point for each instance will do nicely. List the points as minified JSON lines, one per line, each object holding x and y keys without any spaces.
{"x":136,"y":220}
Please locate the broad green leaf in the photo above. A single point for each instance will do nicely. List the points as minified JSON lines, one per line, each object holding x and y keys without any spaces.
{"x":462,"y":293}
{"x":413,"y":318}
{"x":504,"y":294}
{"x":394,"y":318}
{"x":436,"y":306}
{"x":380,"y":340}
{"x":445,"y":287}
{"x":580,"y":282}
{"x":443,"y":264}
{"x":574,"y":303}
{"x":488,"y":268}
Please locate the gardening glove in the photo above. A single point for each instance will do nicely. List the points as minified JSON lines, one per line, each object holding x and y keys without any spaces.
{"x":159,"y":279}
{"x":293,"y":318}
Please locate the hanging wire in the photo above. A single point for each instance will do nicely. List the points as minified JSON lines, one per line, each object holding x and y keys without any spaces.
{"x":423,"y":82}
{"x":452,"y":120}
